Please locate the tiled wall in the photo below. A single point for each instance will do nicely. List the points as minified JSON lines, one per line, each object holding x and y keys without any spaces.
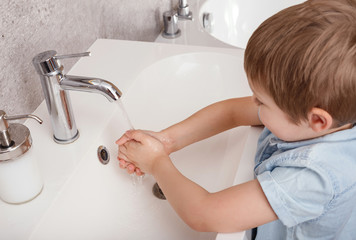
{"x":28,"y":27}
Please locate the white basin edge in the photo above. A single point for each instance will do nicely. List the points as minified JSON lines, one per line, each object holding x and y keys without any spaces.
{"x":57,"y":169}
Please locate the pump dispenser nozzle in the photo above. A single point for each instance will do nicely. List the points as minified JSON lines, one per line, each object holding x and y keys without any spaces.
{"x":20,"y":180}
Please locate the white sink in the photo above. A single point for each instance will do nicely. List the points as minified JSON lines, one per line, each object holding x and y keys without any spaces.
{"x":234,"y":21}
{"x":162,"y":84}
{"x":232,"y":24}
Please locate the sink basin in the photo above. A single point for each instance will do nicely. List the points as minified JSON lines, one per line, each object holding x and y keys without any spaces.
{"x":101,"y":202}
{"x":161,"y":84}
{"x":177,"y":87}
{"x":234,"y":21}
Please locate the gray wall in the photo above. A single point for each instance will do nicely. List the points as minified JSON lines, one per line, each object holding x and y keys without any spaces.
{"x":28,"y":27}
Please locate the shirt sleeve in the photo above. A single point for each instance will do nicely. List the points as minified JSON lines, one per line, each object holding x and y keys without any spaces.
{"x":296,"y":194}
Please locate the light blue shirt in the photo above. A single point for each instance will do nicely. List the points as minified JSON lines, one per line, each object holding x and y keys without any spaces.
{"x":311,"y":186}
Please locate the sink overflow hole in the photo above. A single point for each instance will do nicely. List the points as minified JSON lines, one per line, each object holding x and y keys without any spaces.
{"x":103,"y":155}
{"x":156,"y":190}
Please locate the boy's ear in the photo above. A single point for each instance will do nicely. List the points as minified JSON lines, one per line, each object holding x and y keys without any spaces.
{"x":319,"y":119}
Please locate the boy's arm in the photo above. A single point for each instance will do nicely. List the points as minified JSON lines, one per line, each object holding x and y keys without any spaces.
{"x":205,"y":123}
{"x":212,"y":120}
{"x":234,"y":209}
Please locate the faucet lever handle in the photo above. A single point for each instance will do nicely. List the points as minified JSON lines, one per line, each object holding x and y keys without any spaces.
{"x":46,"y":63}
{"x":74,"y":55}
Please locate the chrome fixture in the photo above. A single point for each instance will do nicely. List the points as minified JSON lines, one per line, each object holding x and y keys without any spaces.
{"x":170,"y":21}
{"x":183,"y":10}
{"x":55,"y":85}
{"x":157,"y":191}
{"x":103,"y":155}
{"x":15,"y":138}
{"x":208,"y":22}
{"x":5,"y":136}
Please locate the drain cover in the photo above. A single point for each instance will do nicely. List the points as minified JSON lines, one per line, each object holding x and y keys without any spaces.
{"x":103,"y":155}
{"x":156,"y":190}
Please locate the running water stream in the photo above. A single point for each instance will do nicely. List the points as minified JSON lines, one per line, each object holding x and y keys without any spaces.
{"x":135,"y":178}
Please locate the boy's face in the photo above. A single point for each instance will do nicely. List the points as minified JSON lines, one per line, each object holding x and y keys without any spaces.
{"x":277,"y":121}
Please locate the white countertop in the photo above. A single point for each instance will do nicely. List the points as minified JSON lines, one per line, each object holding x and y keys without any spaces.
{"x":119,"y":62}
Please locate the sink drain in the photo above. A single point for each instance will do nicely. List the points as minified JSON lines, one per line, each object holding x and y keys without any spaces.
{"x":103,"y":155}
{"x":156,"y":190}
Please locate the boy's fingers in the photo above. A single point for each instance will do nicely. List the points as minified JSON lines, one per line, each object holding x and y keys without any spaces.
{"x":123,"y":139}
{"x":139,"y":172}
{"x":122,"y":155}
{"x":122,"y":163}
{"x":138,"y":135}
{"x":122,"y":148}
{"x":130,"y":168}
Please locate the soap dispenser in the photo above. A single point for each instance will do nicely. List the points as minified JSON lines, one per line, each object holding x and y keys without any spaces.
{"x":20,"y":179}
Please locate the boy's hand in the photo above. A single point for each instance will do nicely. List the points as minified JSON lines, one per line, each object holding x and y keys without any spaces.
{"x":130,"y":168}
{"x":124,"y":164}
{"x":139,"y":152}
{"x":162,"y":137}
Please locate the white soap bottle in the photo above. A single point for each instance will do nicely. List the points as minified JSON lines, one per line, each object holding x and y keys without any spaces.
{"x":20,"y":179}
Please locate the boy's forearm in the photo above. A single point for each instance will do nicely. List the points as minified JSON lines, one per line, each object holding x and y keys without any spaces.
{"x":237,"y":208}
{"x":184,"y":195}
{"x":212,"y":120}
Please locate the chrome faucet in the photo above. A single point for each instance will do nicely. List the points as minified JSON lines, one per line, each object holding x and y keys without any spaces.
{"x":55,"y":85}
{"x":183,"y":10}
{"x":170,"y":25}
{"x":170,"y":20}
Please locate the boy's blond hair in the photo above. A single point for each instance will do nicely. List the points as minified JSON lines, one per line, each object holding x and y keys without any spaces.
{"x":305,"y":57}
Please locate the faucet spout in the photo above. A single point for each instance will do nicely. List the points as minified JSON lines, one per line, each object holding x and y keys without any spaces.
{"x":55,"y":85}
{"x":93,"y":85}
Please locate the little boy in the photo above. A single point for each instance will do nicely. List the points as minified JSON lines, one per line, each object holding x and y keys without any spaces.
{"x":301,"y":66}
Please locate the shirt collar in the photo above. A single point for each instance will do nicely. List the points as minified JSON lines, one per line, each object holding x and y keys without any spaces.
{"x":343,"y":135}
